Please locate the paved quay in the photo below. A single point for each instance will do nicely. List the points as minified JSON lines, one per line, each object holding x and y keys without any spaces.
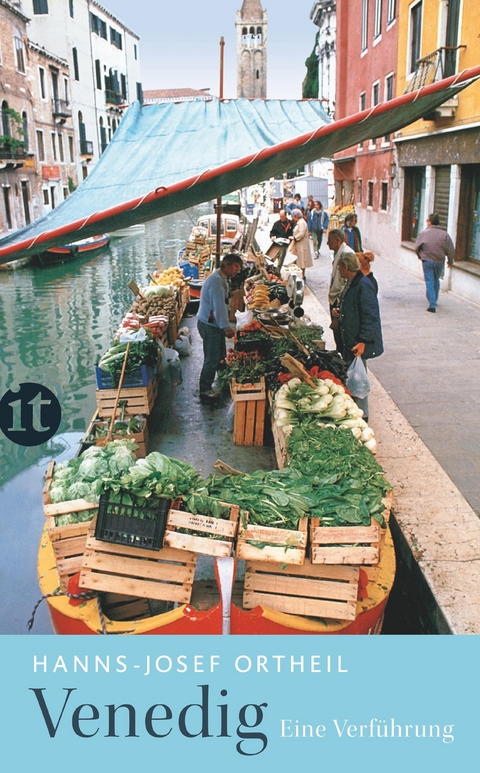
{"x":425,"y":393}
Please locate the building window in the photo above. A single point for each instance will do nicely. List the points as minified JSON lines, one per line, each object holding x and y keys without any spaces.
{"x":71,"y":8}
{"x":60,"y":148}
{"x":123,"y":85}
{"x":6,"y":202}
{"x":98,"y":26}
{"x":135,"y":52}
{"x":384,"y":197}
{"x":25,"y":129}
{"x":40,"y":145}
{"x":46,"y":200}
{"x":364,"y":25}
{"x":413,"y":202}
{"x":84,"y":172}
{"x":139,"y":92}
{"x":363,"y":101}
{"x":359,"y":190}
{"x":115,"y":38}
{"x":70,"y":148}
{"x":451,"y":38}
{"x":41,"y":76}
{"x":375,"y":93}
{"x":54,"y":146}
{"x":19,"y":58}
{"x":52,"y":196}
{"x":391,"y":11}
{"x":26,"y":201}
{"x":76,"y":73}
{"x":98,"y":74}
{"x":389,"y":87}
{"x":415,"y":34}
{"x":377,"y":19}
{"x":370,"y":194}
{"x":40,"y":7}
{"x":65,"y":89}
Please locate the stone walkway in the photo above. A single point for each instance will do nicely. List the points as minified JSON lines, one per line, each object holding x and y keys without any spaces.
{"x":425,"y":390}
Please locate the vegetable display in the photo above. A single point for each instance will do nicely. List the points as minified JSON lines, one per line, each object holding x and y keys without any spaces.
{"x":141,"y":353}
{"x":326,"y":403}
{"x":156,"y":474}
{"x":82,"y":477}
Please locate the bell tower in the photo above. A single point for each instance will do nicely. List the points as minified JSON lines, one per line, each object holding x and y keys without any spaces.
{"x":251,"y":27}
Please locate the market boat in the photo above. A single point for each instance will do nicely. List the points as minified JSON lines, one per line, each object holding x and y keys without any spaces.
{"x":65,"y":251}
{"x":211,"y":610}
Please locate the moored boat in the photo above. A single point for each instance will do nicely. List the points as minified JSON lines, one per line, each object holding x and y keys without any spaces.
{"x":66,"y":251}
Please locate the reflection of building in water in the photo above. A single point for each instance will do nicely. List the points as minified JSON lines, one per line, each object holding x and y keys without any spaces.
{"x":251,"y":27}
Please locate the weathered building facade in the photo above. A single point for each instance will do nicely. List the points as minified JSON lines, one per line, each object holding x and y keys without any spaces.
{"x":18,"y":182}
{"x":323,"y":15}
{"x":439,"y":157}
{"x":367,"y":34}
{"x":251,"y":25}
{"x":53,"y":137}
{"x":103,"y":56}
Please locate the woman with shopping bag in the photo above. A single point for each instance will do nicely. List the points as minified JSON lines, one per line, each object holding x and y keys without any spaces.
{"x":359,"y":319}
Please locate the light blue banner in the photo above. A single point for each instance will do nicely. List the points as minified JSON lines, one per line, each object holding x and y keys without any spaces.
{"x":239,"y":703}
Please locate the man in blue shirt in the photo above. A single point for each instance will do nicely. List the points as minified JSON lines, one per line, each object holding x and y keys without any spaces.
{"x":317,"y":222}
{"x":213,"y":323}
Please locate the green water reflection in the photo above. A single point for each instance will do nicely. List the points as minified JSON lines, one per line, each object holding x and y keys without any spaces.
{"x":56,"y":321}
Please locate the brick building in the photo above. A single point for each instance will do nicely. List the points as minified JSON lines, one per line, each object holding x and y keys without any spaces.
{"x":367,"y":35}
{"x":18,"y":198}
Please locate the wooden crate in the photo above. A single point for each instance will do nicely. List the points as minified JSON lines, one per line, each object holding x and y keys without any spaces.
{"x":68,"y":542}
{"x":250,"y":408}
{"x":165,"y":574}
{"x":308,"y":590}
{"x":345,"y":544}
{"x":217,"y":527}
{"x":280,"y":444}
{"x":140,"y":438}
{"x":289,"y":547}
{"x":140,"y":400}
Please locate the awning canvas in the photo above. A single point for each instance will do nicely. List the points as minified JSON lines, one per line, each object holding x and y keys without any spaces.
{"x":168,"y":157}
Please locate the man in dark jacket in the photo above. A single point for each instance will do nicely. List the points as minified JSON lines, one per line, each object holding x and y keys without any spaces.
{"x":359,"y":317}
{"x":282,"y":228}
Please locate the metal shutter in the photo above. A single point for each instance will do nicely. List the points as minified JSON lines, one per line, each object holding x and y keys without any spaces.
{"x":442,"y":193}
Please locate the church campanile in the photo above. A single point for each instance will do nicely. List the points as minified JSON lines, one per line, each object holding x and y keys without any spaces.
{"x":251,"y":27}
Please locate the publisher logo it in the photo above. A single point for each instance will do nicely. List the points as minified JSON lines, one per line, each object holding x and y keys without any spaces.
{"x":30,"y":416}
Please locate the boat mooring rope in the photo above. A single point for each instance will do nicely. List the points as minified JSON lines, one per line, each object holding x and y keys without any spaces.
{"x":87,"y":595}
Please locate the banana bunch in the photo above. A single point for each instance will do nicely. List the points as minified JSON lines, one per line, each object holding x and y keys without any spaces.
{"x":171,"y":276}
{"x":260,"y":296}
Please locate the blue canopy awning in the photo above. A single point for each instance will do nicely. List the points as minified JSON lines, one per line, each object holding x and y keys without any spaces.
{"x":167,"y":157}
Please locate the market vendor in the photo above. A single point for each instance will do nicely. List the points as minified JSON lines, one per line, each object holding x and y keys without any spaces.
{"x":213,"y":323}
{"x":282,"y":228}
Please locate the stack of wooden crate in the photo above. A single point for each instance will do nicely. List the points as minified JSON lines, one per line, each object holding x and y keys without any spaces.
{"x":249,"y":417}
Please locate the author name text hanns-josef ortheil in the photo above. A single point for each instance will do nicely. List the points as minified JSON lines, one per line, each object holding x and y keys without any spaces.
{"x":157,"y":664}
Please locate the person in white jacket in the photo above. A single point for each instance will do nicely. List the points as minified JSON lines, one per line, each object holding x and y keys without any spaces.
{"x":336,"y":242}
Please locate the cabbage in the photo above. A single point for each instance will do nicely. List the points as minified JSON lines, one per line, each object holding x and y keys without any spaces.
{"x":93,"y":468}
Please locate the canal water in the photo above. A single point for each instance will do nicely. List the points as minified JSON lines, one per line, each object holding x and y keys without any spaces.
{"x":55,"y":323}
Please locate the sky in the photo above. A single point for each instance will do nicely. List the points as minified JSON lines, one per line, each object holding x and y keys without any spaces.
{"x":180,"y":44}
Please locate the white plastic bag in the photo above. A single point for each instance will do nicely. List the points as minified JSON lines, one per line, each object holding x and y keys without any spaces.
{"x":183,"y":346}
{"x":243,"y":318}
{"x":357,"y":379}
{"x":171,"y":368}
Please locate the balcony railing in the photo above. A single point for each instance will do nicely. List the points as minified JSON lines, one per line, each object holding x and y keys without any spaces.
{"x":86,"y":148}
{"x":113,"y":97}
{"x":11,"y":153}
{"x":61,"y":108}
{"x":433,"y":67}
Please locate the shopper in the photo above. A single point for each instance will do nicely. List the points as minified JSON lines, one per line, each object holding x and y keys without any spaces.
{"x":432,"y":246}
{"x":300,"y":245}
{"x":366,"y":259}
{"x":336,"y":242}
{"x":317,"y":222}
{"x":296,"y":203}
{"x":213,"y":323}
{"x":352,"y":233}
{"x":359,"y":318}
